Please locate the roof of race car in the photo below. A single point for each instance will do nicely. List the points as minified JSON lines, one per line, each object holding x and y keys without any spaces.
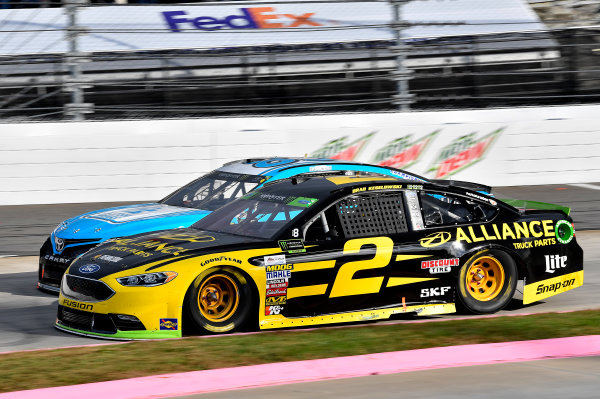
{"x":278,"y":166}
{"x":322,"y":187}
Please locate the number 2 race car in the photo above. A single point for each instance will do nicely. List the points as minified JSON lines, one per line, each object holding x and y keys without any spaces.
{"x":322,"y":250}
{"x":182,"y":208}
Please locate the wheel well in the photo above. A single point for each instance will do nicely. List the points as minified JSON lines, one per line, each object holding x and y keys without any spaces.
{"x":255,"y":299}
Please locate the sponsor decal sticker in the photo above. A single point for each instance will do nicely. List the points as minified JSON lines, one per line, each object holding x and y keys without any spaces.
{"x":273,"y":310}
{"x":342,"y":149}
{"x":402,"y":152}
{"x":564,"y":231}
{"x":168,"y":324}
{"x":376,"y":188}
{"x":272,"y":268}
{"x":320,"y":168}
{"x":275,"y":300}
{"x":277,"y":292}
{"x":89,"y":268}
{"x":108,"y":258}
{"x":552,"y":286}
{"x":274,"y":260}
{"x":536,"y":229}
{"x":283,"y":274}
{"x":434,"y":291}
{"x":77,"y":305}
{"x":272,"y":285}
{"x":554,"y":262}
{"x":462,"y":153}
{"x":435,"y":239}
{"x":427,"y":264}
{"x":221,"y":259}
{"x":292,"y":246}
{"x":302,"y":202}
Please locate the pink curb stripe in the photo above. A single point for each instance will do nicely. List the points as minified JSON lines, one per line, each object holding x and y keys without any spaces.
{"x":168,"y":385}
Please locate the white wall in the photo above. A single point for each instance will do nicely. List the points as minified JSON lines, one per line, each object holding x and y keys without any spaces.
{"x":44,"y":163}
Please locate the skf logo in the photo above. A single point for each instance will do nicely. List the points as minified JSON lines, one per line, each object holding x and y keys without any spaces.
{"x":274,"y":268}
{"x":435,"y":239}
{"x":554,"y":262}
{"x":168,"y":324}
{"x":250,"y":18}
{"x":435,"y":291}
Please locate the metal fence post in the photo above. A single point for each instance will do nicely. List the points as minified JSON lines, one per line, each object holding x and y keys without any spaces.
{"x":75,"y":83}
{"x":402,"y":99}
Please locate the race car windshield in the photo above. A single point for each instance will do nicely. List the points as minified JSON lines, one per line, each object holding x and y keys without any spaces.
{"x":213,"y":190}
{"x":254,"y":217}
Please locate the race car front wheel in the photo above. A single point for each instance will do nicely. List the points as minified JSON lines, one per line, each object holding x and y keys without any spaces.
{"x":220,"y":301}
{"x":487,"y":282}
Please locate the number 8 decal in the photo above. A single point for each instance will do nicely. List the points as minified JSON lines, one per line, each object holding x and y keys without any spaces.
{"x":345,"y":285}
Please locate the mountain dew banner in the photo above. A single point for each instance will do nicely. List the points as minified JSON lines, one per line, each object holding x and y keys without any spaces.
{"x":146,"y":160}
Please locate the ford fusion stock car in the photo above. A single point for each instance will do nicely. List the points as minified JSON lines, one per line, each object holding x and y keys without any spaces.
{"x":320,"y":250}
{"x":185,"y":206}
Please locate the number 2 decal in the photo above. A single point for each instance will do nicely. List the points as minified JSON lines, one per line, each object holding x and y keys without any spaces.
{"x":345,"y":284}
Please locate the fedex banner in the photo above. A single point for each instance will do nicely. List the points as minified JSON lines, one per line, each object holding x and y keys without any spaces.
{"x":185,"y":26}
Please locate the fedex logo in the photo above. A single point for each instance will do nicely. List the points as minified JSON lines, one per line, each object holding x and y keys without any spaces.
{"x":250,"y":18}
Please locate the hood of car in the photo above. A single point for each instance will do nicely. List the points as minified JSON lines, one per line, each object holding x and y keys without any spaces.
{"x":98,"y":226}
{"x":154,"y":249}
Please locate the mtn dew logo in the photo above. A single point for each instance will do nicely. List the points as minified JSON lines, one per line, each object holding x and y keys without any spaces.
{"x":341,"y":149}
{"x":402,"y":152}
{"x":462,"y":153}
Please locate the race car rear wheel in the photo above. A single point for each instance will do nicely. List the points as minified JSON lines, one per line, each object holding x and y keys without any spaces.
{"x":220,"y":301}
{"x":487,"y":282}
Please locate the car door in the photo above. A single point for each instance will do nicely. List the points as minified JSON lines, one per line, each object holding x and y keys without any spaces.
{"x":358,"y":254}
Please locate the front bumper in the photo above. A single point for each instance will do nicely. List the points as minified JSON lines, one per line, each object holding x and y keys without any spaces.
{"x":129,"y":314}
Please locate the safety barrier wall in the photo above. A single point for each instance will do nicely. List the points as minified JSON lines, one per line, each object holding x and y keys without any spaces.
{"x":42,"y":163}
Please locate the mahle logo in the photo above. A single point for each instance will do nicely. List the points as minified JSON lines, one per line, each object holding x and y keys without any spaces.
{"x":342,"y":149}
{"x":462,"y":153}
{"x":402,"y":152}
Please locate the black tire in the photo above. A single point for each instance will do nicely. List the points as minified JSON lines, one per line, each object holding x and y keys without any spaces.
{"x":487,"y":282}
{"x":220,"y":301}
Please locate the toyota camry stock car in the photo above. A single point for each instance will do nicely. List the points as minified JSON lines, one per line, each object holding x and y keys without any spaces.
{"x":185,"y":206}
{"x":320,"y":250}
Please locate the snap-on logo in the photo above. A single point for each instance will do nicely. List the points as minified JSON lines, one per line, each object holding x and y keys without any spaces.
{"x":250,"y":18}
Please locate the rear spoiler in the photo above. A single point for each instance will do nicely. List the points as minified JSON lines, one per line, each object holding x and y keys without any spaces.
{"x":482,"y":188}
{"x":538,"y":206}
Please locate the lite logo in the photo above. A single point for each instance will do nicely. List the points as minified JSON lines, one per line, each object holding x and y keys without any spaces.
{"x":250,"y":18}
{"x":554,"y":262}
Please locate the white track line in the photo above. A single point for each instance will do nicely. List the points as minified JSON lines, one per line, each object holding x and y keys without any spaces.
{"x":585,"y":185}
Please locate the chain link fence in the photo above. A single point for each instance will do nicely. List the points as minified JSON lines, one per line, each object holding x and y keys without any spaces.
{"x":347,"y":65}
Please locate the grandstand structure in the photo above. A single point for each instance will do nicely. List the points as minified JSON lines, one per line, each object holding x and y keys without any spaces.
{"x":458,"y":60}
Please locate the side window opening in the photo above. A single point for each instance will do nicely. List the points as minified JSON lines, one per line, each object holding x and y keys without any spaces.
{"x":441,"y":209}
{"x":372,"y":214}
{"x":324,"y":226}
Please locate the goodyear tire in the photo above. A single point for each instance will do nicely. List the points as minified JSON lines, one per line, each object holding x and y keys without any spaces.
{"x":487,"y":282}
{"x":220,"y":301}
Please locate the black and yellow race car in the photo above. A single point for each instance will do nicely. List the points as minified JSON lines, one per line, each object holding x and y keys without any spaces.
{"x":323,"y":250}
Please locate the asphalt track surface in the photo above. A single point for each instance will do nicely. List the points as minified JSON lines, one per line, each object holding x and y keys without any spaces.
{"x":24,"y":228}
{"x":548,"y":379}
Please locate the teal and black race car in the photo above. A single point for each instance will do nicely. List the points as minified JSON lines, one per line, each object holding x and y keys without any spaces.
{"x":322,"y":250}
{"x":182,"y":208}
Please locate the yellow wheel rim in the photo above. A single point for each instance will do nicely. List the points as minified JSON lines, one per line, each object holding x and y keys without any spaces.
{"x":218,"y":298}
{"x":485,"y":278}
